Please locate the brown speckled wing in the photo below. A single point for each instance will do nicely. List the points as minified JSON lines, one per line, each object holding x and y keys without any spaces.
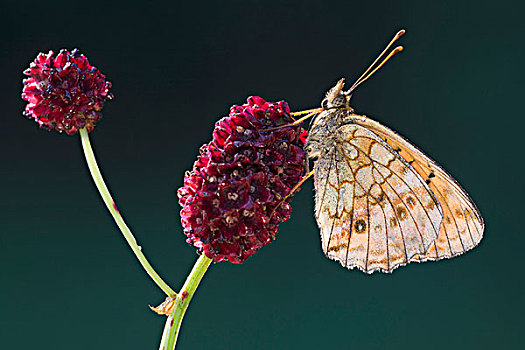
{"x":374,"y":210}
{"x":462,"y":226}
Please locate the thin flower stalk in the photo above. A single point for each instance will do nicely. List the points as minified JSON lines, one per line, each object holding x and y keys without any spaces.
{"x":112,"y":207}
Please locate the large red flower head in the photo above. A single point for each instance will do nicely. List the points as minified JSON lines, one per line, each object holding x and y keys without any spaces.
{"x":65,"y":92}
{"x":234,"y":198}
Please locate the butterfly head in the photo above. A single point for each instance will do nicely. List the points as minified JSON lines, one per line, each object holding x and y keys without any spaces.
{"x":336,"y":97}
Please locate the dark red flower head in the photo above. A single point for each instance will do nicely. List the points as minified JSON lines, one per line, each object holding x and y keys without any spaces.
{"x":232,"y":200}
{"x":65,"y":92}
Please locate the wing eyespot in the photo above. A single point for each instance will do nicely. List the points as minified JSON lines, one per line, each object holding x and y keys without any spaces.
{"x":360,"y":226}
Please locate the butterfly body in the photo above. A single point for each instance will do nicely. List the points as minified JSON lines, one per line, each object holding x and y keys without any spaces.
{"x":381,"y":202}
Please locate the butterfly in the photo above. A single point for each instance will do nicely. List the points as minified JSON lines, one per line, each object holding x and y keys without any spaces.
{"x":380,"y":202}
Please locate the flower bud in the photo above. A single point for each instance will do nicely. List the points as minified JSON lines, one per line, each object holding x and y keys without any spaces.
{"x":65,"y":92}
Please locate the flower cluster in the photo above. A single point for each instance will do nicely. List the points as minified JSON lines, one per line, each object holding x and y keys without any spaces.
{"x":235,"y":196}
{"x":65,"y":92}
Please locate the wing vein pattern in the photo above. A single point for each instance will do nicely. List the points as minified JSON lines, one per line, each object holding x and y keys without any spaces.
{"x":381,"y":203}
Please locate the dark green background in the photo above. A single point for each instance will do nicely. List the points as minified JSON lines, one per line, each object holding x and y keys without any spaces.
{"x":68,"y":280}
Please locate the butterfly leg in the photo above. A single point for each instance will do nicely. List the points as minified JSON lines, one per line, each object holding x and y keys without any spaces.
{"x":316,"y":110}
{"x":309,"y":113}
{"x":299,"y":184}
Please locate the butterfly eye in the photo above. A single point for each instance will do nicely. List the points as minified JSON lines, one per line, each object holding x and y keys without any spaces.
{"x":339,"y":101}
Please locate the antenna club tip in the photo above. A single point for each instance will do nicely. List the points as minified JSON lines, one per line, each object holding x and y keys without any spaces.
{"x":397,"y":49}
{"x":400,"y":33}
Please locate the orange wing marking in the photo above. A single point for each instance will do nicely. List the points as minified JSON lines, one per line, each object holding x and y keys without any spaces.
{"x":460,"y":214}
{"x":397,"y":194}
{"x":386,"y":225}
{"x":406,"y":184}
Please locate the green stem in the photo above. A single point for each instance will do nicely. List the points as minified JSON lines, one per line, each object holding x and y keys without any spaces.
{"x":112,"y":207}
{"x":171,"y":329}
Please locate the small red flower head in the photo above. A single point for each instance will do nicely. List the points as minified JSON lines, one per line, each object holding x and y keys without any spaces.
{"x":65,"y":92}
{"x":233,"y":199}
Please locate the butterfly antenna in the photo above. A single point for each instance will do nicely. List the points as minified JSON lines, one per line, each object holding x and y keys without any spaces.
{"x":371,"y":70}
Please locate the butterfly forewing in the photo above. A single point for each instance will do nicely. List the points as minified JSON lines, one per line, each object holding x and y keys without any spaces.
{"x":462,"y":226}
{"x":374,"y":210}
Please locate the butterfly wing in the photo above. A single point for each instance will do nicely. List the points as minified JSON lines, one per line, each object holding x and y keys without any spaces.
{"x":374,"y":210}
{"x":462,"y":226}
